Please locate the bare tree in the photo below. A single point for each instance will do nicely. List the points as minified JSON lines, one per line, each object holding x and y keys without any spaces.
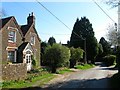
{"x":112,"y":35}
{"x":113,"y":3}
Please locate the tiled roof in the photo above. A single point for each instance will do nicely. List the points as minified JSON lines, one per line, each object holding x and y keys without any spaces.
{"x":22,"y":46}
{"x":25,"y":29}
{"x":4,"y":21}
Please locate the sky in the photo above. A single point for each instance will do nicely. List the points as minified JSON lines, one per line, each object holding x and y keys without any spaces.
{"x":48,"y":26}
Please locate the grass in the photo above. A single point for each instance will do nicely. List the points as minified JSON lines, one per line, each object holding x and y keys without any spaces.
{"x":84,"y":67}
{"x":65,"y":70}
{"x":31,"y":80}
{"x":115,"y":81}
{"x":36,"y":77}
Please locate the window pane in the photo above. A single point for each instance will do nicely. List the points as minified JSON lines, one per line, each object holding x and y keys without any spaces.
{"x":32,"y":40}
{"x":11,"y":55}
{"x":11,"y":36}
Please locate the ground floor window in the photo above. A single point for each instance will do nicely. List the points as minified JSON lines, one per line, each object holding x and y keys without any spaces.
{"x":11,"y":56}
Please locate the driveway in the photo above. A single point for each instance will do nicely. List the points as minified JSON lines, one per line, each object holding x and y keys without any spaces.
{"x":97,"y":77}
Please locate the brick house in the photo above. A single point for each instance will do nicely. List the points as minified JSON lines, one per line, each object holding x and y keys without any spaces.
{"x":19,"y":42}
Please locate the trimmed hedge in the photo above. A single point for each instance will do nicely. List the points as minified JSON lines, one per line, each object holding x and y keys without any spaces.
{"x":109,"y":60}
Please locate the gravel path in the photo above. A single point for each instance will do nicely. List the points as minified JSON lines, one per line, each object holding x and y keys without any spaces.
{"x":97,"y":77}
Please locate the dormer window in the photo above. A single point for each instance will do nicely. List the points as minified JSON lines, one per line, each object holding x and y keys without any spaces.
{"x":11,"y":36}
{"x":32,"y":41}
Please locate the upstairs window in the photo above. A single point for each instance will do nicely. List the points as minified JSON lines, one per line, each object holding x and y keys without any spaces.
{"x":32,"y":41}
{"x":12,"y":36}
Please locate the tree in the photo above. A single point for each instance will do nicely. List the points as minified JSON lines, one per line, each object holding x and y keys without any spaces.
{"x":83,"y":36}
{"x":112,"y":35}
{"x":100,"y":51}
{"x":43,"y":47}
{"x":51,"y":41}
{"x":57,"y":56}
{"x":76,"y":55}
{"x":106,"y":46}
{"x":113,"y":3}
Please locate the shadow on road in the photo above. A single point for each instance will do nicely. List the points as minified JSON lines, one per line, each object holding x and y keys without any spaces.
{"x":73,"y":84}
{"x":77,"y":84}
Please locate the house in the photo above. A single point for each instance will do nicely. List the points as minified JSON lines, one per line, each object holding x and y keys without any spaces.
{"x":19,"y":43}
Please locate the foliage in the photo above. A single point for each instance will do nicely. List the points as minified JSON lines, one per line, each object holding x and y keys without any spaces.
{"x":51,"y":41}
{"x":35,"y":75}
{"x":43,"y":47}
{"x":83,"y":36}
{"x":100,"y":51}
{"x":76,"y":55}
{"x":33,"y":62}
{"x":113,"y":3}
{"x":65,"y":70}
{"x":115,"y":81}
{"x":118,"y":58}
{"x":112,"y":35}
{"x":56,"y":56}
{"x":106,"y":46}
{"x":109,"y":60}
{"x":84,"y":66}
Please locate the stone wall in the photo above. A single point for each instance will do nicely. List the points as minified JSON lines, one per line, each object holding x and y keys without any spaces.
{"x":14,"y":71}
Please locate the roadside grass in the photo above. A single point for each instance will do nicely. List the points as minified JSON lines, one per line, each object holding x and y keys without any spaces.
{"x":65,"y":70}
{"x":41,"y":78}
{"x":115,"y":81}
{"x":84,"y":66}
{"x":36,"y":77}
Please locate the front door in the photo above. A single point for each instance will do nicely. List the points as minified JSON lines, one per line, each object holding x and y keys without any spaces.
{"x":28,"y":61}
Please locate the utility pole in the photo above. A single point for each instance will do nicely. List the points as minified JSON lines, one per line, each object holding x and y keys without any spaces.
{"x":118,"y":33}
{"x":85,"y":54}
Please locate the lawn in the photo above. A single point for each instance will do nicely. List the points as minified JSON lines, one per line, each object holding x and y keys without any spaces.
{"x":65,"y":70}
{"x":36,"y":77}
{"x":84,"y":67}
{"x":43,"y":77}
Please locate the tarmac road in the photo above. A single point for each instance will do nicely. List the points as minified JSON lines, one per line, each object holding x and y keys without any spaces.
{"x":97,"y":77}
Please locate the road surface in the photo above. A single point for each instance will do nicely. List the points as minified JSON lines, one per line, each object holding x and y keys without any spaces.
{"x":97,"y":77}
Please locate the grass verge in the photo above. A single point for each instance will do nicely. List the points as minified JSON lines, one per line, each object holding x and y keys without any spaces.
{"x":65,"y":70}
{"x":32,"y":79}
{"x":115,"y":81}
{"x":84,"y":66}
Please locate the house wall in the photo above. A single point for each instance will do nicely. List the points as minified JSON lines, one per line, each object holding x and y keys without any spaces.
{"x":14,"y":71}
{"x":36,"y":47}
{"x":5,"y":43}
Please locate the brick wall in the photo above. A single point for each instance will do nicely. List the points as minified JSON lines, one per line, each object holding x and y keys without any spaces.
{"x":14,"y":71}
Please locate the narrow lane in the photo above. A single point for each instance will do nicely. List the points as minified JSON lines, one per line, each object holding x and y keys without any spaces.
{"x":97,"y":77}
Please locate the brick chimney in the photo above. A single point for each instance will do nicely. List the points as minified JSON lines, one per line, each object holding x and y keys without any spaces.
{"x":31,"y":19}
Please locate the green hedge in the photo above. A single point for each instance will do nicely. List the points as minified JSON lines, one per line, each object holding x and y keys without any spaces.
{"x":109,"y":60}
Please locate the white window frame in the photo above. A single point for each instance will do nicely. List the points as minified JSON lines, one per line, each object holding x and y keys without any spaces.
{"x":14,"y":56}
{"x":32,"y":42}
{"x":12,"y":37}
{"x":12,"y":29}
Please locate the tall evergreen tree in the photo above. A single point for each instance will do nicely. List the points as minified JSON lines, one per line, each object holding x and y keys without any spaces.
{"x":51,"y":41}
{"x":84,"y":38}
{"x":106,"y":46}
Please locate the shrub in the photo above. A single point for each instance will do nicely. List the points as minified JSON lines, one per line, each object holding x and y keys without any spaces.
{"x":109,"y":60}
{"x":33,"y":62}
{"x":76,"y":55}
{"x":56,"y":56}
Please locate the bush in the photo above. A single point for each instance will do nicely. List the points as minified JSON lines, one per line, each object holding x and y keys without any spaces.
{"x":109,"y":60}
{"x":76,"y":55}
{"x":33,"y":62}
{"x":56,"y":56}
